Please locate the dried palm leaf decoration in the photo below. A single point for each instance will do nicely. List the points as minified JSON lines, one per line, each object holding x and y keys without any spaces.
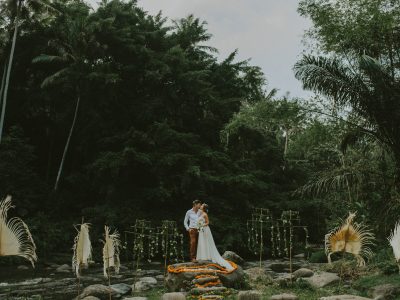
{"x":352,"y":238}
{"x":111,"y":248}
{"x":82,"y":249}
{"x":394,"y":240}
{"x":15,"y":237}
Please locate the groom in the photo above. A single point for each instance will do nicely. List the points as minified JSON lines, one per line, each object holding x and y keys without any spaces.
{"x":190,"y":223}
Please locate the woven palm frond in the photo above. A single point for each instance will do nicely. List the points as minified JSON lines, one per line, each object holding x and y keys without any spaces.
{"x":15,"y":237}
{"x":112,"y":245}
{"x":394,"y":240}
{"x":82,"y":249}
{"x":352,"y":238}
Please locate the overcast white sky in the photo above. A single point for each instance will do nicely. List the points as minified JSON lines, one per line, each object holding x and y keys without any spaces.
{"x":267,"y":31}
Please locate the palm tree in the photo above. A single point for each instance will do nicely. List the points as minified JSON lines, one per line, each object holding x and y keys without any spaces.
{"x":16,"y":9}
{"x":72,"y":50}
{"x":369,"y":88}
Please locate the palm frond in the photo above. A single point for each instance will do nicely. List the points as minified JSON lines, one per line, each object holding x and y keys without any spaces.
{"x":82,"y":249}
{"x":112,"y":245}
{"x":352,"y":238}
{"x":52,"y":79}
{"x":394,"y":241}
{"x":15,"y":237}
{"x":49,"y":59}
{"x":329,"y":77}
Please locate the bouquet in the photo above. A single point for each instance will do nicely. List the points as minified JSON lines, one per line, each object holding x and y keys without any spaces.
{"x":201,"y":224}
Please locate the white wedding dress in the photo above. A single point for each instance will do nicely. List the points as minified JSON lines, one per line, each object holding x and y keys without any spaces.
{"x":206,"y":249}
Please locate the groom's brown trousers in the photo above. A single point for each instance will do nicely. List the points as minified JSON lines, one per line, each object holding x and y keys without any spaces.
{"x":193,"y":235}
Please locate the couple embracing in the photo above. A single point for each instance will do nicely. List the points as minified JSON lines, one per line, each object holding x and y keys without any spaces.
{"x":202,"y":246}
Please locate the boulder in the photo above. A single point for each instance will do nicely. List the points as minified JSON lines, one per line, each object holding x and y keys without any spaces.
{"x":302,"y":273}
{"x":284,"y":279}
{"x":322,"y":279}
{"x":100,"y":291}
{"x":234,"y":279}
{"x":121,"y":288}
{"x":144,"y":284}
{"x":344,"y":297}
{"x":63,"y":269}
{"x":232,"y":256}
{"x":284,"y":267}
{"x":177,"y":282}
{"x":385,"y":291}
{"x":284,"y":297}
{"x":160,"y":277}
{"x":90,"y":298}
{"x":208,"y":290}
{"x":249,"y":295}
{"x":173,"y":296}
{"x":258,"y":274}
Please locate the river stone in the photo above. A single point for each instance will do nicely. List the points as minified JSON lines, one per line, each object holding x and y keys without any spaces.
{"x":121,"y":288}
{"x":344,"y":297}
{"x":257,"y":274}
{"x":385,"y":291}
{"x":284,"y":297}
{"x":144,"y":284}
{"x":284,"y":267}
{"x":173,"y":296}
{"x":232,"y":256}
{"x":303,"y":272}
{"x":208,"y":290}
{"x":90,"y":298}
{"x":100,"y":291}
{"x":160,"y":277}
{"x":23,"y":267}
{"x":249,"y":295}
{"x":322,"y":279}
{"x":63,"y":269}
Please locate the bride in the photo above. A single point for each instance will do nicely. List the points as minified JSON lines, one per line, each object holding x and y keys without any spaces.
{"x":206,"y":249}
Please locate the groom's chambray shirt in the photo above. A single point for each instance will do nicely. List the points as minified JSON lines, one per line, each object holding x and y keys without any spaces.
{"x":191,"y":217}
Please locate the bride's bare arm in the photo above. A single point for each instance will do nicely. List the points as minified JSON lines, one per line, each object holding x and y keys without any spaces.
{"x":206,"y":222}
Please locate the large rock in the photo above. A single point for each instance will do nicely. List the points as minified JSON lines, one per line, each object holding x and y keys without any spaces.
{"x":234,"y":279}
{"x":322,"y":279}
{"x":249,"y":295}
{"x":121,"y":288}
{"x":302,"y":273}
{"x":100,"y":291}
{"x":208,"y":290}
{"x":284,"y":267}
{"x":344,"y":297}
{"x":177,"y":282}
{"x":385,"y":291}
{"x":257,"y":274}
{"x":232,"y":256}
{"x":284,"y":297}
{"x":90,"y":298}
{"x":63,"y":269}
{"x":144,"y":284}
{"x":173,"y":296}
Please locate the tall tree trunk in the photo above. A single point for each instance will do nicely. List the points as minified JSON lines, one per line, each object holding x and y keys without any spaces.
{"x":10,"y":60}
{"x":3,"y":81}
{"x":68,"y":141}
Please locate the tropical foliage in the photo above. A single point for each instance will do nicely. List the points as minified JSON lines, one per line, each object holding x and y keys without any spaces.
{"x":115,"y":114}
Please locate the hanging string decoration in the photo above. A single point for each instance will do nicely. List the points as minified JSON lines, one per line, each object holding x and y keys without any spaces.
{"x":258,"y":227}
